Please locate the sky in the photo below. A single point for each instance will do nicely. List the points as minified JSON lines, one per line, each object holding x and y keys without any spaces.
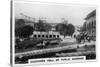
{"x":54,"y":13}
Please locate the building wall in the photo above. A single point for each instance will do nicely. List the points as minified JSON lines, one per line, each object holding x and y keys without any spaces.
{"x":91,"y":26}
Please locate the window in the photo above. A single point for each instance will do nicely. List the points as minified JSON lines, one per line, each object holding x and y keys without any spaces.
{"x":46,"y":36}
{"x":54,"y":36}
{"x":57,"y":36}
{"x":42,"y":35}
{"x":50,"y":36}
{"x":38,"y":35}
{"x":34,"y":35}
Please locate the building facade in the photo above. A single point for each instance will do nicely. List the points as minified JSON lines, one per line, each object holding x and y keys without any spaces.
{"x":91,"y":24}
{"x":77,"y":31}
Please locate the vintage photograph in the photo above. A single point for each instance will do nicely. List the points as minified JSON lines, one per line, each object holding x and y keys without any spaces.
{"x":42,"y":30}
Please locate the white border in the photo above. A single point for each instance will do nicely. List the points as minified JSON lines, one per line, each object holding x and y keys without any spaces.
{"x":47,"y":3}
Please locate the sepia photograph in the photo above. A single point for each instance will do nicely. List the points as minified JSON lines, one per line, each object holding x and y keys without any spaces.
{"x":42,"y":30}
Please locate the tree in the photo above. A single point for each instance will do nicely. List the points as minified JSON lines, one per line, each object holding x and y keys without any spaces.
{"x":70,"y":29}
{"x":66,"y":30}
{"x":19,"y":23}
{"x":62,"y":28}
{"x":40,"y":26}
{"x":47,"y":27}
{"x":24,"y":32}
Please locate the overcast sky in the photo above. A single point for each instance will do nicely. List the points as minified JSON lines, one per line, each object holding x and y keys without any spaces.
{"x":54,"y":13}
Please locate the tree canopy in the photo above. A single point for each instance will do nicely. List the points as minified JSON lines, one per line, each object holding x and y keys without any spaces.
{"x":41,"y":26}
{"x":24,"y":32}
{"x":19,"y":23}
{"x":70,"y":29}
{"x":65,"y":29}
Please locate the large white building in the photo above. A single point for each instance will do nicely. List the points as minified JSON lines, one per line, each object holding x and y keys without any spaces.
{"x":91,"y":24}
{"x":77,"y":29}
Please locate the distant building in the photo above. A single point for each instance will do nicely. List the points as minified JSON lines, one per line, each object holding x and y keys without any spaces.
{"x":91,"y":24}
{"x":49,"y":34}
{"x":64,"y":21}
{"x":77,"y":29}
{"x":26,"y":19}
{"x":28,"y":22}
{"x":22,"y":22}
{"x":53,"y":26}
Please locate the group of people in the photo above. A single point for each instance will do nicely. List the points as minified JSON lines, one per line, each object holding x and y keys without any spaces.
{"x":82,"y":37}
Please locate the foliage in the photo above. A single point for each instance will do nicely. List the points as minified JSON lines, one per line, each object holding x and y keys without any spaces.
{"x":24,"y":32}
{"x":19,"y":23}
{"x":41,"y":26}
{"x":62,"y":28}
{"x":70,"y":30}
{"x":65,"y":29}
